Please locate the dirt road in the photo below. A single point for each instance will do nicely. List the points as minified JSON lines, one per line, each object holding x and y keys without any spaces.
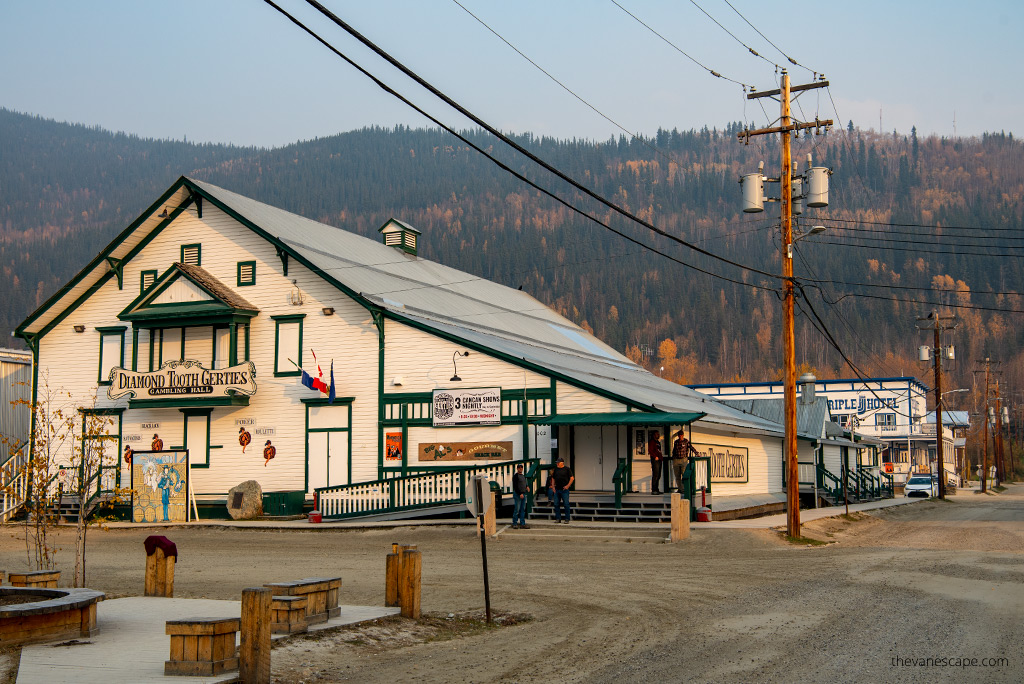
{"x":932,"y":580}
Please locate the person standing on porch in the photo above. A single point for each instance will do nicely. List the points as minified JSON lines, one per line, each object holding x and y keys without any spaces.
{"x":654,"y":450}
{"x":681,"y":450}
{"x":563,"y":479}
{"x":519,"y":489}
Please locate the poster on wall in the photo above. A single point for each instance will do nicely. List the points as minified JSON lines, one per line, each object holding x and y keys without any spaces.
{"x":465,"y":451}
{"x":160,"y":486}
{"x":641,"y":442}
{"x":728,"y":463}
{"x":393,"y":446}
{"x":467,"y":407}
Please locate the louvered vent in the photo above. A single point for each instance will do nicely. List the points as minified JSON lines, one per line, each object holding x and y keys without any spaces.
{"x":148,"y":278}
{"x":393,"y":239}
{"x":190,"y":255}
{"x":410,"y":241}
{"x":246,"y":273}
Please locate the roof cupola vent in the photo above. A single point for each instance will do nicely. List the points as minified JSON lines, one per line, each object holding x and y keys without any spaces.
{"x":400,"y":236}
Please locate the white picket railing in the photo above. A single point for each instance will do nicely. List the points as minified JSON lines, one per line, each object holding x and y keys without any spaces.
{"x":409,"y":492}
{"x":13,"y":483}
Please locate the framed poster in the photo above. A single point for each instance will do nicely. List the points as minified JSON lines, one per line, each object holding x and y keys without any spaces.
{"x":160,"y":486}
{"x":641,"y":442}
{"x":393,"y":446}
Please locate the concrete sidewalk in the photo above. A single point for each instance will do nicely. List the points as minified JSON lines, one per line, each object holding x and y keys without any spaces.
{"x":131,"y":645}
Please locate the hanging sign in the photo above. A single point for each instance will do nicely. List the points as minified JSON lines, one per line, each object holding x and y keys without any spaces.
{"x":465,"y":451}
{"x":182,"y":378}
{"x":728,"y":463}
{"x":467,"y":407}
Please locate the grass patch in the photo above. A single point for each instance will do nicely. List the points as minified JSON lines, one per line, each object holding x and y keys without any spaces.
{"x":804,"y":541}
{"x":998,"y":488}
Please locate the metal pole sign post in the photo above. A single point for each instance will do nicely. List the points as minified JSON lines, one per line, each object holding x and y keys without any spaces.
{"x":478,"y":503}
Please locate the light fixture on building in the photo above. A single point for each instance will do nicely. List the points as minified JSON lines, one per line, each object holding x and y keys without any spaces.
{"x":79,"y":328}
{"x":456,"y":378}
{"x":296,"y":294}
{"x":397,"y":382}
{"x":328,"y":311}
{"x":162,"y":214}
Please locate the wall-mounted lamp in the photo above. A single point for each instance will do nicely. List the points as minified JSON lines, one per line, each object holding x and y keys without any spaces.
{"x":328,"y":311}
{"x":162,"y":214}
{"x":397,"y":382}
{"x":296,"y":294}
{"x":79,"y":328}
{"x":456,"y":378}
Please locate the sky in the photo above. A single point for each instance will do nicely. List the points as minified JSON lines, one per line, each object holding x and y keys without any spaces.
{"x":236,"y":71}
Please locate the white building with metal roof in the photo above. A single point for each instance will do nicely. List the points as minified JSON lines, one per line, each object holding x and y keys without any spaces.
{"x":193,"y":328}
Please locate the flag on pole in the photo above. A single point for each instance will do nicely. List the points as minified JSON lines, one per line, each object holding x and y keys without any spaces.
{"x":330,"y":394}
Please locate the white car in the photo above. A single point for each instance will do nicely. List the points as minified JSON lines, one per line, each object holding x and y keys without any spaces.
{"x":921,"y":485}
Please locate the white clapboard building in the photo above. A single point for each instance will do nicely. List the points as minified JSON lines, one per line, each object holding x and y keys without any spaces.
{"x":190,"y":328}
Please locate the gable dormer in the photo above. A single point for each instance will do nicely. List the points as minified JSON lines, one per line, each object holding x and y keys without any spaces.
{"x":400,"y":235}
{"x":187,"y":295}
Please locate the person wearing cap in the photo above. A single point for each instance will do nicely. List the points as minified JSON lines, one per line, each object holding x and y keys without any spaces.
{"x":519,"y":489}
{"x":654,"y":451}
{"x":681,"y":450}
{"x":563,"y":479}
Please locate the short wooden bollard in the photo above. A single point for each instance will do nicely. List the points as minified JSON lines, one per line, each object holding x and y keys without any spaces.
{"x":161,"y":555}
{"x":410,"y":565}
{"x":391,"y":577}
{"x":490,"y":518}
{"x":254,"y":640}
{"x":202,"y":646}
{"x":288,"y":614}
{"x":39,"y":579}
{"x":680,"y":518}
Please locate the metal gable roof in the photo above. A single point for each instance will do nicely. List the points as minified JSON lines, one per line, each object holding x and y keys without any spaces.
{"x":811,"y":419}
{"x":476,"y":310}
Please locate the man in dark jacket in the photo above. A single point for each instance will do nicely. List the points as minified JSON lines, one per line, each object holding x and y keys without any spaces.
{"x":519,"y":490}
{"x":563,"y":479}
{"x":654,"y":451}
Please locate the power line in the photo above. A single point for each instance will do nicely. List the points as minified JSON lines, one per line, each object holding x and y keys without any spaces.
{"x":781,"y":51}
{"x":500,"y":164}
{"x":912,"y":249}
{"x":749,"y":49}
{"x":919,"y":225}
{"x":864,"y":295}
{"x":936,"y":240}
{"x":516,"y":146}
{"x":679,"y":49}
{"x":931,"y":238}
{"x":566,"y":88}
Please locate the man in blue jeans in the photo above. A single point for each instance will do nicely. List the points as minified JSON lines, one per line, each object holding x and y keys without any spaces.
{"x":563,"y":479}
{"x":519,"y":490}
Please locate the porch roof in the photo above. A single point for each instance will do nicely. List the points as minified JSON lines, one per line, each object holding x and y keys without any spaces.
{"x":624,"y":418}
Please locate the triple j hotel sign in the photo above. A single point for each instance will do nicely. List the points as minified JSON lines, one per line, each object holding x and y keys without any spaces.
{"x":181,"y":378}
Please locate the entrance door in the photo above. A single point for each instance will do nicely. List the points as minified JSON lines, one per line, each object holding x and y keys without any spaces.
{"x":327,"y":446}
{"x":597,"y":452}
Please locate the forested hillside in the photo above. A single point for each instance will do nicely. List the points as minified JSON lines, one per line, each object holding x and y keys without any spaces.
{"x":906,"y":212}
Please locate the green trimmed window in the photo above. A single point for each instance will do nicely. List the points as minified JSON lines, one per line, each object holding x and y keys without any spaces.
{"x":287,"y":345}
{"x":111,"y":352}
{"x":246,"y":273}
{"x":146,"y":280}
{"x":192,"y":254}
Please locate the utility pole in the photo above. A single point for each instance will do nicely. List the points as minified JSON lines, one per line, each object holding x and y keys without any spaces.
{"x":784,"y":129}
{"x":935,"y":321}
{"x":985,"y":417}
{"x":998,"y":427}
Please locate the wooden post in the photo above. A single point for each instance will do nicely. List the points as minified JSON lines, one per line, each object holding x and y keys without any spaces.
{"x":680,"y":518}
{"x":391,"y":563}
{"x":160,"y":574}
{"x":410,"y":565}
{"x":490,"y":517}
{"x":254,"y":640}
